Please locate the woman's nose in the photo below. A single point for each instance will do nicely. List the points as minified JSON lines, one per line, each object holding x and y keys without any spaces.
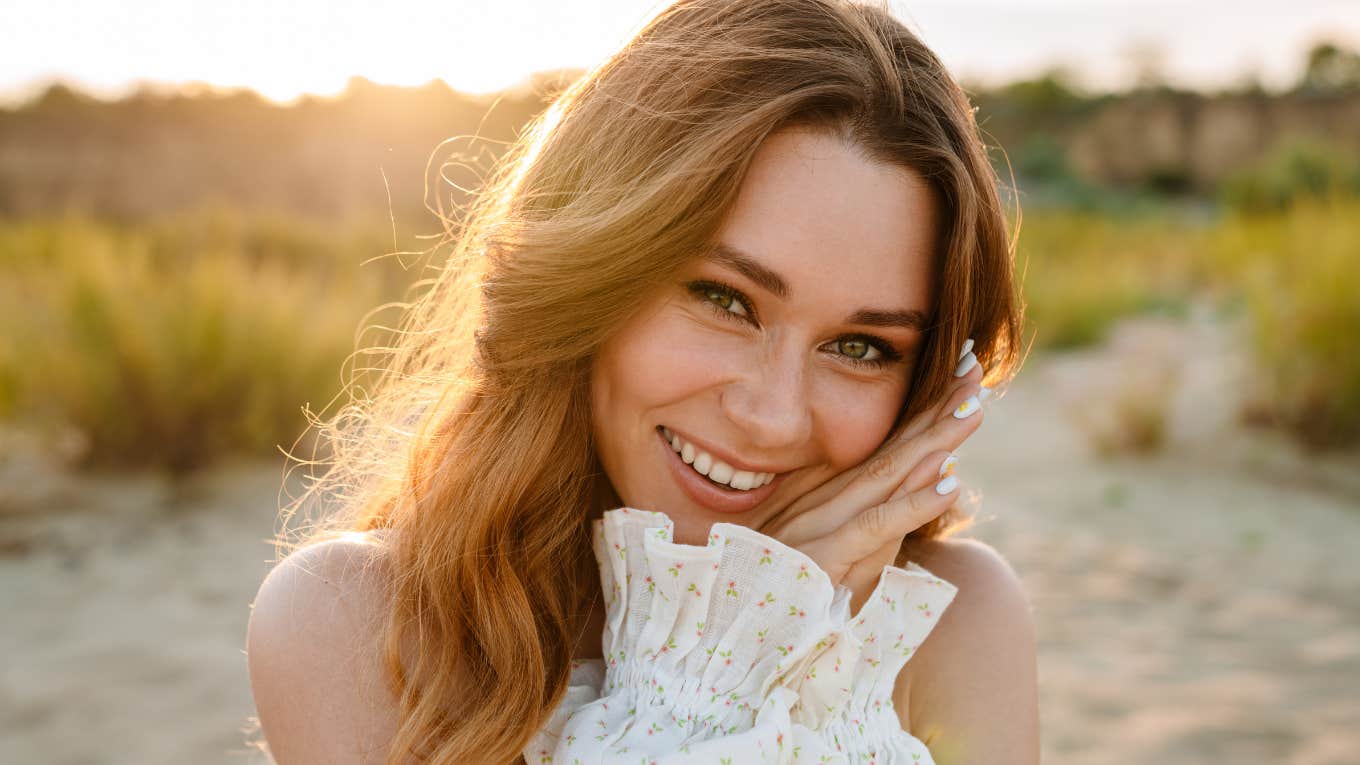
{"x":770,"y":405}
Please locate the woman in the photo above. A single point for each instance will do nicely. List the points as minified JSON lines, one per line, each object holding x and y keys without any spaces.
{"x":740,"y":278}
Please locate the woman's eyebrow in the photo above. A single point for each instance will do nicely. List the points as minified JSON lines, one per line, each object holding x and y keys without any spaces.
{"x":749,"y":267}
{"x":752,"y":269}
{"x":912,"y":319}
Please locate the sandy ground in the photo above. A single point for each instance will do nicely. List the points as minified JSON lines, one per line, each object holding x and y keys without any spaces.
{"x":1198,"y":605}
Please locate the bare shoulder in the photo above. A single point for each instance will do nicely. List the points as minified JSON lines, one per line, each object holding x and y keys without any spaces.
{"x":970,"y":693}
{"x":314,"y":652}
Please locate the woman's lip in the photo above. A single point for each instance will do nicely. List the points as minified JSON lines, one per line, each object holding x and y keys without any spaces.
{"x":708,"y":494}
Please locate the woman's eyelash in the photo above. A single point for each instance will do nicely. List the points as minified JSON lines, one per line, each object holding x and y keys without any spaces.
{"x":705,"y":291}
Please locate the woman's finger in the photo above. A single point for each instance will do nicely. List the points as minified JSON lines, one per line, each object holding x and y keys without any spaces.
{"x":886,"y":521}
{"x":972,"y":374}
{"x":884,"y":472}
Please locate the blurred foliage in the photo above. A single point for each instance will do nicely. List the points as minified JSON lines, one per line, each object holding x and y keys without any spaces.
{"x":1295,"y":270}
{"x":1298,"y":168}
{"x":174,"y":343}
{"x":1298,"y":273}
{"x":1082,"y":270}
{"x":1330,"y":68}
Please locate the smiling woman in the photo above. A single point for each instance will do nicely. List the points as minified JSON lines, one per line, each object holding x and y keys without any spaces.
{"x":793,"y":362}
{"x":672,"y":433}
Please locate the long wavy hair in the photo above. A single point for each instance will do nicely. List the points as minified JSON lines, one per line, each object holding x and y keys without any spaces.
{"x":473,"y":450}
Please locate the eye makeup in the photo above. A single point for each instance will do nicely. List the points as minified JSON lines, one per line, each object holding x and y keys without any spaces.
{"x":724,"y":300}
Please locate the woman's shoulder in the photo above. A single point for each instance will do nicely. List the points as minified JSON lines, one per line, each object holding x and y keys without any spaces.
{"x":975,"y":679}
{"x":348,"y":569}
{"x":314,"y":651}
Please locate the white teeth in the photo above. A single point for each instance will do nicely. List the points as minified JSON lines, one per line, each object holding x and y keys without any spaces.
{"x":716,"y":470}
{"x":703,"y":463}
{"x":721,"y":472}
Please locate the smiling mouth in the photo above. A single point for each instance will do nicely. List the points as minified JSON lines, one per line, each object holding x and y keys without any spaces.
{"x":717,"y":472}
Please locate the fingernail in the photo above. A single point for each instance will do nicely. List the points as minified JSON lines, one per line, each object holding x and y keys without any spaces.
{"x":967,"y":346}
{"x":947,"y":467}
{"x":947,"y":485}
{"x":966,"y":364}
{"x":967,"y":407}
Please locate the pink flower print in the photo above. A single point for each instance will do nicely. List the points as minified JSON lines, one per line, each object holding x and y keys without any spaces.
{"x":727,"y":657}
{"x":651,"y":586}
{"x":675,"y":569}
{"x":924,"y":608}
{"x":654,"y":728}
{"x":661,"y":534}
{"x":665,"y":647}
{"x":622,"y":550}
{"x":892,"y":604}
{"x":760,"y":636}
{"x":769,"y":598}
{"x":713,"y":539}
{"x":694,"y":588}
{"x":878,"y":705}
{"x":571,"y":739}
{"x":796,"y":611}
{"x":732,"y":588}
{"x":871,"y":638}
{"x":543,"y":756}
{"x":765,"y":558}
{"x":784,"y":651}
{"x":802,"y":572}
{"x":699,"y":629}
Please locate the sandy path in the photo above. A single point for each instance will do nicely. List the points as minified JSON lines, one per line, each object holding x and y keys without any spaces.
{"x":1197,"y":606}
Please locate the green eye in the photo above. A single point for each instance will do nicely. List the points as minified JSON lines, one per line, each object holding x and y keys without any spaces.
{"x":724,"y":300}
{"x":719,"y":297}
{"x":856,"y":348}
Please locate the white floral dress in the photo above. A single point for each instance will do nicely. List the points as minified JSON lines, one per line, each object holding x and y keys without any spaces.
{"x":740,"y":651}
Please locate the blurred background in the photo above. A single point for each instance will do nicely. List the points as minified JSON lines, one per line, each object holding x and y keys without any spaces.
{"x":205,"y":207}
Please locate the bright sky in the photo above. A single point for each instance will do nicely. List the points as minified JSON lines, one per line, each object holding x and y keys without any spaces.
{"x":286,"y":47}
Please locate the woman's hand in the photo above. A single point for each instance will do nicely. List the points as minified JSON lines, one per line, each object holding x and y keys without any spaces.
{"x":854,"y":524}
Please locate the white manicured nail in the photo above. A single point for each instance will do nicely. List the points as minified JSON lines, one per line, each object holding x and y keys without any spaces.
{"x":947,"y":485}
{"x":947,"y":467}
{"x":966,"y":364}
{"x":967,"y":346}
{"x":967,"y":407}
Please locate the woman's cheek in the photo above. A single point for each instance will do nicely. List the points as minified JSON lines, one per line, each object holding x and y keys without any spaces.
{"x":686,"y":357}
{"x":855,"y":417}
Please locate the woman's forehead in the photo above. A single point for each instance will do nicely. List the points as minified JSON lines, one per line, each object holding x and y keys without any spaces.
{"x":826,"y":219}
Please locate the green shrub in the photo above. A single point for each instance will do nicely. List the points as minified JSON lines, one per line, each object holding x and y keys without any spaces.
{"x":1299,"y":276}
{"x":1300,"y":168}
{"x":1082,"y":271}
{"x":172,"y":344}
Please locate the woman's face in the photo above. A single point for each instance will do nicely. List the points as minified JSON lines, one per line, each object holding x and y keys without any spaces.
{"x":782,"y":356}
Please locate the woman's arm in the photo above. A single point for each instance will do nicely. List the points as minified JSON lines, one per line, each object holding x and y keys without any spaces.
{"x":971,"y":692}
{"x":312,"y":648}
